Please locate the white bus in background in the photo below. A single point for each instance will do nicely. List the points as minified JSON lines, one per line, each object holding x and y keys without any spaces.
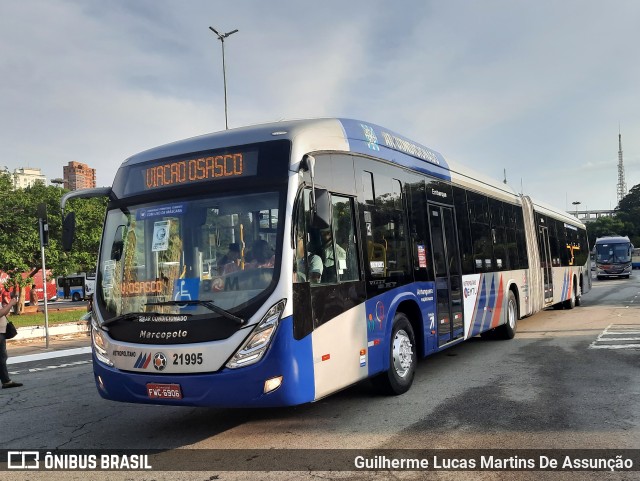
{"x":76,"y":287}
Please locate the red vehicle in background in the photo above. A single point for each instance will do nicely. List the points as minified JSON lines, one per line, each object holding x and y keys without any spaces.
{"x":52,"y":292}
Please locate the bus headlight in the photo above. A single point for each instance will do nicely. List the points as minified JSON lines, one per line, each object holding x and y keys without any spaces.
{"x":99,"y":344}
{"x":256,"y":345}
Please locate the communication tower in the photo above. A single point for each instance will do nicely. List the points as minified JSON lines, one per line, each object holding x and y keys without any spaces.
{"x":622,"y":185}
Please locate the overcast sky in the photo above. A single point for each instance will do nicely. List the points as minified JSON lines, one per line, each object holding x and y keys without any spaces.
{"x":538,"y":88}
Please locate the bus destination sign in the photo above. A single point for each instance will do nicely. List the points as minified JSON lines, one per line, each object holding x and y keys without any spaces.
{"x":206,"y":168}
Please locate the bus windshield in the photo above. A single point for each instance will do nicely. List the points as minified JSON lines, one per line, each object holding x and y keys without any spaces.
{"x":613,"y":253}
{"x":219,"y":250}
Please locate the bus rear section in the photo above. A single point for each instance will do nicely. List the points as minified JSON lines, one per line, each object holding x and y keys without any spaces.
{"x":613,"y":257}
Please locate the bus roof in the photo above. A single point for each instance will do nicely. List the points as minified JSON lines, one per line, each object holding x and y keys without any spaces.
{"x":346,"y":135}
{"x":328,"y":134}
{"x":615,"y":239}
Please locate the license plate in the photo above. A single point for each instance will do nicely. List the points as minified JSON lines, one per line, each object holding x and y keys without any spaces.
{"x":164,"y":391}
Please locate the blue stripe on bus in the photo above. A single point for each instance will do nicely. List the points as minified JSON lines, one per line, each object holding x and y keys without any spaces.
{"x":493,"y":295}
{"x":480,"y":310}
{"x":565,"y":286}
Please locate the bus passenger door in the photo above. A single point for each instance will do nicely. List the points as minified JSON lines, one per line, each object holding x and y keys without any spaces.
{"x":545,"y":260}
{"x":329,"y":295}
{"x":446,"y":262}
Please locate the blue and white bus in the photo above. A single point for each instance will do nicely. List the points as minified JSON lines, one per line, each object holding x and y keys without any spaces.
{"x":76,"y":287}
{"x":276,"y":264}
{"x":613,"y":256}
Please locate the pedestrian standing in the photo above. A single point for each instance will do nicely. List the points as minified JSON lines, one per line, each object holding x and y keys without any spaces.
{"x":4,"y":372}
{"x":33,"y":296}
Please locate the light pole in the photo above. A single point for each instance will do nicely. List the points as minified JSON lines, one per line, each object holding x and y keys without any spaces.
{"x":221,"y":37}
{"x":58,"y":181}
{"x":576,"y":203}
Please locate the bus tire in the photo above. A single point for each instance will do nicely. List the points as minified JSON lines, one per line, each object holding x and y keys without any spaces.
{"x":571,"y":302}
{"x":508,"y":329}
{"x":75,"y":297}
{"x":402,"y":359}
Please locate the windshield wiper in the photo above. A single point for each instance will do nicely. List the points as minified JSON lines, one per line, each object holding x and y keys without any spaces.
{"x":208,"y":304}
{"x":134,"y":316}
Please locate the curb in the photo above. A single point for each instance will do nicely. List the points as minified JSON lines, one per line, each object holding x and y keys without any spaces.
{"x":31,"y":332}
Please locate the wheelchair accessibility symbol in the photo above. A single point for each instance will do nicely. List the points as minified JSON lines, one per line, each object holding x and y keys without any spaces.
{"x":186,"y":290}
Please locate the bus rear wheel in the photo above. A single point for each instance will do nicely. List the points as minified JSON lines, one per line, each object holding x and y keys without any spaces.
{"x":571,"y":302}
{"x":508,"y":329}
{"x":75,"y":297}
{"x":402,"y":359}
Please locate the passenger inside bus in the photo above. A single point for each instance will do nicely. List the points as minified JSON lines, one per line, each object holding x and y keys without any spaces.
{"x":261,"y":255}
{"x":329,"y":273}
{"x":230,"y":261}
{"x":307,"y":265}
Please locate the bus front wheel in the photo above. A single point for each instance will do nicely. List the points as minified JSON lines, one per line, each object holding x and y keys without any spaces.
{"x":75,"y":297}
{"x":402,"y":359}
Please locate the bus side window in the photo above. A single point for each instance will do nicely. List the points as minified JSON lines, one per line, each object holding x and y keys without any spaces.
{"x":345,"y":249}
{"x":307,"y":263}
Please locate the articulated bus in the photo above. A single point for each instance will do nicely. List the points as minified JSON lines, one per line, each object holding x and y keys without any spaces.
{"x":274,"y":265}
{"x":613,"y":256}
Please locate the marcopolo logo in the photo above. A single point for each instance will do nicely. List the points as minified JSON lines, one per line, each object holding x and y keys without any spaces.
{"x":144,"y":334}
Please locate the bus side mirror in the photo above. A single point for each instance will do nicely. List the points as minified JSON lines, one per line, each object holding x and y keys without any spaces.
{"x":118,"y":244}
{"x":321,"y":210}
{"x":68,"y":231}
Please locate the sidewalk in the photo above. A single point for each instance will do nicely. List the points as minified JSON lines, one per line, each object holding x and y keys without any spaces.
{"x":37,"y":345}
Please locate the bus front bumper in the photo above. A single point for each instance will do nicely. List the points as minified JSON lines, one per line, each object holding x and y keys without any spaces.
{"x":228,"y":388}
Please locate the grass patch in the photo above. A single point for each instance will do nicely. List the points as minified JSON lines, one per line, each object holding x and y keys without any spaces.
{"x":55,"y":317}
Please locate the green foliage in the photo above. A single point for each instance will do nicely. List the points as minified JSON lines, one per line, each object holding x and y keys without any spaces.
{"x":89,"y":221}
{"x":626,"y":220}
{"x":604,"y":226}
{"x":20,"y":234}
{"x":55,"y":317}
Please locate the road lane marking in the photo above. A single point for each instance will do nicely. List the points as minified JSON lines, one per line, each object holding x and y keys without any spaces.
{"x":610,"y":337}
{"x":48,"y":355}
{"x":47,"y":368}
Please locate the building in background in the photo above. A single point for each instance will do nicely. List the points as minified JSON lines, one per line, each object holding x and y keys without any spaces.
{"x":78,"y":176}
{"x":26,"y":177}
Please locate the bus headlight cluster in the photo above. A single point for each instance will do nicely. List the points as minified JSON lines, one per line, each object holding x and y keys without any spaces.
{"x":99,"y":343}
{"x":256,"y":345}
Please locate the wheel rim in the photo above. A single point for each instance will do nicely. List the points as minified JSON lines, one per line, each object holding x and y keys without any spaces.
{"x":402,"y":353}
{"x":512,"y":313}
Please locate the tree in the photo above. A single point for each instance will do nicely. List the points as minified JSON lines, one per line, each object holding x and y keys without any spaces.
{"x":628,"y":211}
{"x":605,"y":226}
{"x":89,"y":221}
{"x":20,"y":254}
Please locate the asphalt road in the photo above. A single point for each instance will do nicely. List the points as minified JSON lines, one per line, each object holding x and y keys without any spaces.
{"x":569,"y":380}
{"x":62,"y":304}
